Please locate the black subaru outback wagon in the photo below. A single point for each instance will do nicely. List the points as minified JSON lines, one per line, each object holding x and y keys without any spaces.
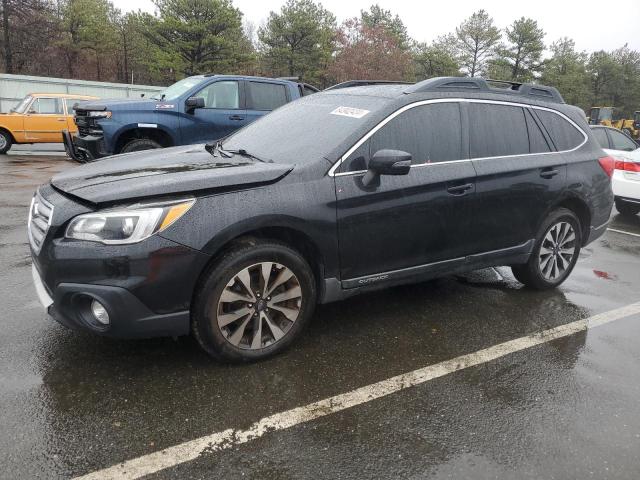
{"x":335,"y":194}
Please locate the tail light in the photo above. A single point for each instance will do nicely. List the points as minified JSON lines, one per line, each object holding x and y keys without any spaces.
{"x":608,"y":164}
{"x":627,"y":165}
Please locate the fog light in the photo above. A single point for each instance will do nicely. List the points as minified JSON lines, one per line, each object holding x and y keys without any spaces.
{"x":99,"y":312}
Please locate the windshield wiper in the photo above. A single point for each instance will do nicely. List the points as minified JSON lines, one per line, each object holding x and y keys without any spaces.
{"x":212,"y":148}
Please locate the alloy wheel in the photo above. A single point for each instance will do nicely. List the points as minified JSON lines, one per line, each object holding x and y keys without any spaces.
{"x":557,"y":250}
{"x":3,"y":141}
{"x":259,"y":305}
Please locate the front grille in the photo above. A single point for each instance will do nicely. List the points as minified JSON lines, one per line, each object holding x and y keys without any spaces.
{"x":86,"y":125}
{"x":40,"y":214}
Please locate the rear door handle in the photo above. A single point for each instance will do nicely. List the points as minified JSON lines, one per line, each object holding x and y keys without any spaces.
{"x":62,"y":119}
{"x":236,"y":117}
{"x":460,"y":189}
{"x":549,"y":172}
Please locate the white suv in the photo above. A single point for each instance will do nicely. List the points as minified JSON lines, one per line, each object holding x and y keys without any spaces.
{"x":626,"y":177}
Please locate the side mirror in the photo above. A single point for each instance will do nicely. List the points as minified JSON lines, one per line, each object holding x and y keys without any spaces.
{"x":194,"y":102}
{"x":387,"y":162}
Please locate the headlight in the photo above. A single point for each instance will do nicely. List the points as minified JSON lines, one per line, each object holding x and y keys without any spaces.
{"x":100,"y":114}
{"x":127,"y":225}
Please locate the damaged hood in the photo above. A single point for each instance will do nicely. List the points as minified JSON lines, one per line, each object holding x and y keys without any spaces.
{"x":167,"y":171}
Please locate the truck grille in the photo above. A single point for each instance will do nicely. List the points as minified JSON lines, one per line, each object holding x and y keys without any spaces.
{"x":86,"y":125}
{"x":40,"y":214}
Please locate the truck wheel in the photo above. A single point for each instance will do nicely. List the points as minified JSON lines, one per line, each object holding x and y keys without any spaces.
{"x":140,"y":144}
{"x":5,"y":142}
{"x":627,"y":209}
{"x":254,"y":302}
{"x":555,"y":252}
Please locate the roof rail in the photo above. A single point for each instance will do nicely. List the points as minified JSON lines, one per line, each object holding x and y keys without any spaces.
{"x":478,"y":84}
{"x":361,"y":83}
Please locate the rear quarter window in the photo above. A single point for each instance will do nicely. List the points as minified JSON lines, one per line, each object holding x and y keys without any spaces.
{"x":601,"y":137}
{"x":563,"y":134}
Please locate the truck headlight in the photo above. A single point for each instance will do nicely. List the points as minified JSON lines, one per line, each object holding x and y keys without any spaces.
{"x":100,"y":114}
{"x":127,"y":225}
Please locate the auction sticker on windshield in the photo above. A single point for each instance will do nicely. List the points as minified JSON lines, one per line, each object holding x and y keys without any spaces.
{"x":350,"y":112}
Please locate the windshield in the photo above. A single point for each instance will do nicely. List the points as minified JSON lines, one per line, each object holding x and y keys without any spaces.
{"x":178,"y":88}
{"x":605,"y":114}
{"x":307,"y":129}
{"x":22,"y":106}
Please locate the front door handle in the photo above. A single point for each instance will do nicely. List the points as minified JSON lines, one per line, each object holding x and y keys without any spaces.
{"x":236,"y":117}
{"x":549,"y":172}
{"x":460,"y":189}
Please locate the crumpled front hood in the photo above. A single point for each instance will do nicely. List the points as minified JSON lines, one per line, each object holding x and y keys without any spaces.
{"x":167,"y":171}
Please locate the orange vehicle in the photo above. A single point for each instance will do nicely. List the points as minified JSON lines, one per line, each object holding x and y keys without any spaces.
{"x":39,"y":118}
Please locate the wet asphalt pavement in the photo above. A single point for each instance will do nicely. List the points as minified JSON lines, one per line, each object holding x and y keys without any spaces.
{"x":72,"y":403}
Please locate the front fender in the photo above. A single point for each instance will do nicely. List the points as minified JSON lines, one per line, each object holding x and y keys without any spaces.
{"x":113,"y":133}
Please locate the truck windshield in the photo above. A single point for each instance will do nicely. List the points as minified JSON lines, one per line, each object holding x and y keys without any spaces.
{"x":22,"y":106}
{"x":177,"y":89}
{"x":306,"y":130}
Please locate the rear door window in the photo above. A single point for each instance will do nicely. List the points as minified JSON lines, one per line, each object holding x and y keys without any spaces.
{"x":537,"y":142}
{"x":430,"y":133}
{"x":601,"y":137}
{"x":266,"y":96}
{"x":497,"y":130}
{"x":563,"y":134}
{"x":619,"y":141}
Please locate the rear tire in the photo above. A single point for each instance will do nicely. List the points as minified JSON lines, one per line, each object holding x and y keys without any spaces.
{"x":140,"y":144}
{"x":627,"y":209}
{"x":555,"y":252}
{"x":237,"y":316}
{"x":5,"y":142}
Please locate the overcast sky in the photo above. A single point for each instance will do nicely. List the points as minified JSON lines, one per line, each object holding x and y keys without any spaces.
{"x":593,"y":25}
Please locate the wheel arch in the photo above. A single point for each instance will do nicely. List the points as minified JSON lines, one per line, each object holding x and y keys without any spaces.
{"x":6,"y":130}
{"x":292,"y":237}
{"x":160,"y":135}
{"x":580,"y":207}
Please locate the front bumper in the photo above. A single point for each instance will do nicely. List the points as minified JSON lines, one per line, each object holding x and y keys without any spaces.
{"x":83,"y":149}
{"x":41,"y":291}
{"x":146,"y":287}
{"x":129,"y":317}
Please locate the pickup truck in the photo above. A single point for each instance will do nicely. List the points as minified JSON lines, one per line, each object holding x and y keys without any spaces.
{"x":196,"y":109}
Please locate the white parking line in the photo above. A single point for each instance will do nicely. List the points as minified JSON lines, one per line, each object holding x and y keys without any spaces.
{"x":187,"y":451}
{"x":622,"y":231}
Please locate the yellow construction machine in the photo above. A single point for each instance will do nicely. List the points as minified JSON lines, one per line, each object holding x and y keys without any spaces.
{"x":606,"y":116}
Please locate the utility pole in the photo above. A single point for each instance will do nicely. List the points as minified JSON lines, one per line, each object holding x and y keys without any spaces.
{"x":8,"y":54}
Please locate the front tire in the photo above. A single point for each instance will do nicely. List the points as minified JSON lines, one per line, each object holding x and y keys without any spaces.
{"x":254,"y":302}
{"x":555,"y":252}
{"x":140,"y":144}
{"x":5,"y":142}
{"x":627,"y":209}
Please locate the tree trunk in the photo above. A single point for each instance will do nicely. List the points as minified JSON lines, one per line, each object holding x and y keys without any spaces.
{"x":8,"y":53}
{"x":516,"y":65}
{"x":475,"y":59}
{"x":98,"y":69}
{"x":291,"y":72}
